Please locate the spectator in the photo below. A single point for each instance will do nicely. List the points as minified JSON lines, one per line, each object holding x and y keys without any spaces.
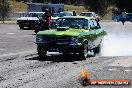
{"x":74,"y":13}
{"x":123,"y":14}
{"x":47,"y":18}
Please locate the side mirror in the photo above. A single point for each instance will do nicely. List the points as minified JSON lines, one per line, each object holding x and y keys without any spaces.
{"x":38,"y":17}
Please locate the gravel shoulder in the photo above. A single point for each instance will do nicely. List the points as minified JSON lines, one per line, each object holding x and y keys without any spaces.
{"x":30,"y":72}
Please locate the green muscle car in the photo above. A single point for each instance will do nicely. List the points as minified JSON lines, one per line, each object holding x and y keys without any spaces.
{"x":72,"y":34}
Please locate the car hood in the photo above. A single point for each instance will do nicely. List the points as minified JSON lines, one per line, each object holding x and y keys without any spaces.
{"x":27,"y":18}
{"x":69,"y":32}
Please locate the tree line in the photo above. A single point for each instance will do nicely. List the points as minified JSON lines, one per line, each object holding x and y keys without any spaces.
{"x":4,"y":10}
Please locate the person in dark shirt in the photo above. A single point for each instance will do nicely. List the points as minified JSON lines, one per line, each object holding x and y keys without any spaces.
{"x":46,"y":20}
{"x":123,"y":14}
{"x":74,"y":13}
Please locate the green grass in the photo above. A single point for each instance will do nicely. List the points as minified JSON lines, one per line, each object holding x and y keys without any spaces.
{"x":108,"y":15}
{"x":18,"y":6}
{"x":78,"y":9}
{"x":22,"y":7}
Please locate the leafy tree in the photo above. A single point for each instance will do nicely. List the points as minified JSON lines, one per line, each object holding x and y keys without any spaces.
{"x":124,"y":4}
{"x":4,"y":10}
{"x":98,"y":6}
{"x":37,"y":1}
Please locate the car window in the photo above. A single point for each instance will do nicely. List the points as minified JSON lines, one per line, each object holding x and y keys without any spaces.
{"x":34,"y":15}
{"x":73,"y":23}
{"x":65,"y":14}
{"x":91,"y":24}
{"x":129,"y":14}
{"x":94,"y":24}
{"x":56,"y":15}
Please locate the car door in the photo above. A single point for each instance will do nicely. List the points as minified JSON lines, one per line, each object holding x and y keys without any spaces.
{"x":95,"y":32}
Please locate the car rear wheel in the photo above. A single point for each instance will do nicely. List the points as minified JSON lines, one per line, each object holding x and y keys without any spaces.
{"x":21,"y":27}
{"x":130,"y":20}
{"x":115,"y":20}
{"x":41,"y":51}
{"x":83,"y":53}
{"x":97,"y":49}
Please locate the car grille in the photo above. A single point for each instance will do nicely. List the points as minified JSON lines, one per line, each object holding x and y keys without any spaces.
{"x":57,"y":40}
{"x":28,"y":21}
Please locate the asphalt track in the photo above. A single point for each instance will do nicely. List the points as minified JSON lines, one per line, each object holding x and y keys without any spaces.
{"x":20,"y":66}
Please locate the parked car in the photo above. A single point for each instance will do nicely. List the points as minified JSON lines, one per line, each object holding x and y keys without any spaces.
{"x":73,"y":34}
{"x":55,"y":16}
{"x":117,"y":18}
{"x":31,"y":19}
{"x":91,"y":14}
{"x":129,"y":17}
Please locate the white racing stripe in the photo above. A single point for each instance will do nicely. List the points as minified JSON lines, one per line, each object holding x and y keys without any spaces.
{"x":127,"y":70}
{"x":10,"y":33}
{"x":111,"y":69}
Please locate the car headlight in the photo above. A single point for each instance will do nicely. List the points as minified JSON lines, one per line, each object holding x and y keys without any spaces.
{"x":74,"y":40}
{"x":39,"y":39}
{"x":35,"y":21}
{"x":18,"y":21}
{"x":38,"y":22}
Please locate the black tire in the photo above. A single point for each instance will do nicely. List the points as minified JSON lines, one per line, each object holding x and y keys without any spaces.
{"x":83,"y":53}
{"x":41,"y":51}
{"x":97,"y":49}
{"x":115,"y":20}
{"x":21,"y":27}
{"x":130,"y":20}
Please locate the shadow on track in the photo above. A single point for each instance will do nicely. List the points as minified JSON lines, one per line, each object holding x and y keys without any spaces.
{"x":59,"y":58}
{"x":27,"y":28}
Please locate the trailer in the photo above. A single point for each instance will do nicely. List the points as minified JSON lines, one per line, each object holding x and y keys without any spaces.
{"x":40,"y":7}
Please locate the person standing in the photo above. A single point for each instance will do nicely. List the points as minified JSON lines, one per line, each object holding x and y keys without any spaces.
{"x":74,"y":13}
{"x":123,"y":14}
{"x":47,"y":18}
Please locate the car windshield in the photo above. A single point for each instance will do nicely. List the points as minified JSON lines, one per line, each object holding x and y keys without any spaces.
{"x":86,"y":14}
{"x":130,"y":14}
{"x":65,"y":14}
{"x":77,"y":23}
{"x":34,"y":15}
{"x":56,"y":15}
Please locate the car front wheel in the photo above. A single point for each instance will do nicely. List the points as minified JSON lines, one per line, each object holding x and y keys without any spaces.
{"x":130,"y":20}
{"x":97,"y":50}
{"x":21,"y":27}
{"x":83,"y":53}
{"x":41,"y":51}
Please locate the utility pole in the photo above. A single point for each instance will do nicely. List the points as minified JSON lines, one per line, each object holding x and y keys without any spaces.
{"x":2,"y":11}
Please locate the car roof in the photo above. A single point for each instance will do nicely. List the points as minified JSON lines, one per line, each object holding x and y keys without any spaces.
{"x":83,"y":17}
{"x":66,"y":12}
{"x":128,"y":13}
{"x":29,"y":12}
{"x":36,"y":12}
{"x":55,"y":13}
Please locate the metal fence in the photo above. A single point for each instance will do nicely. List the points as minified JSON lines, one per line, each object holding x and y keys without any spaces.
{"x":14,"y":16}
